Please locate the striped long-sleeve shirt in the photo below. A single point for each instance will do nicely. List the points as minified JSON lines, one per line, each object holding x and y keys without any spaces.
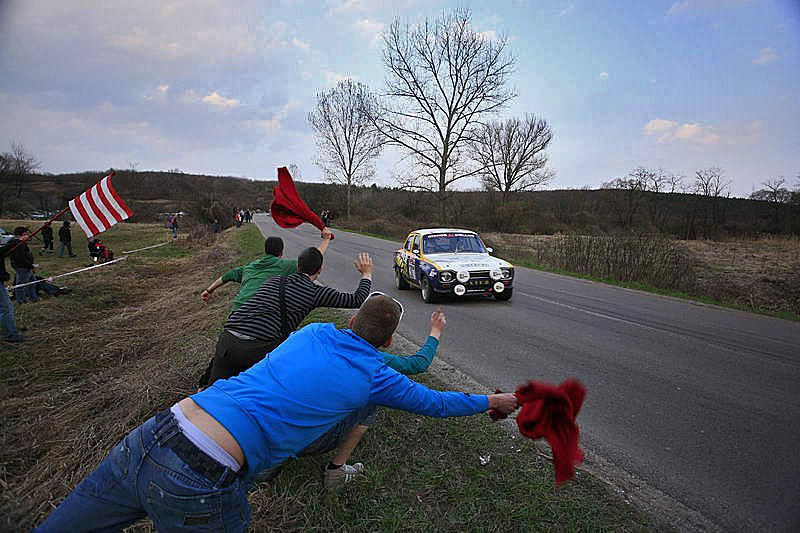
{"x":260,"y":316}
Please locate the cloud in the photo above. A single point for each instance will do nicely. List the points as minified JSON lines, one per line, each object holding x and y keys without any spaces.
{"x":275,"y":122}
{"x":372,"y":30}
{"x":332,"y":78}
{"x":345,"y":6}
{"x":659,"y":125}
{"x":699,"y":6}
{"x":603,"y":76}
{"x":297,"y":43}
{"x":566,"y":10}
{"x":766,"y":55}
{"x":488,"y":35}
{"x":697,"y":134}
{"x":213,"y":99}
{"x":216,"y":99}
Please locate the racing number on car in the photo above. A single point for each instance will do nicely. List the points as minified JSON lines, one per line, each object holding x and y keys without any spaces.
{"x":412,"y":269}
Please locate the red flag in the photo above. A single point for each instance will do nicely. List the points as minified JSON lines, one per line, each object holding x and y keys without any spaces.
{"x":99,"y":208}
{"x":549,"y":411}
{"x":288,"y":209}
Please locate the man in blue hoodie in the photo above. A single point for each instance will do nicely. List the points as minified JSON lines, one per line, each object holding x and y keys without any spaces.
{"x":189,"y":467}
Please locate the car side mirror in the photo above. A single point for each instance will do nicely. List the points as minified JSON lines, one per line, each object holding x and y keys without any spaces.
{"x":415,"y":251}
{"x":489,"y":250}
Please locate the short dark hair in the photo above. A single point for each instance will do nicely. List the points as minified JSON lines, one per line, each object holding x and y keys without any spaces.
{"x":273,"y":246}
{"x":377,"y":319}
{"x":19,"y":230}
{"x":309,"y":261}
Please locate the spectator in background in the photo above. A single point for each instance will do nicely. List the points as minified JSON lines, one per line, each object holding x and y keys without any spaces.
{"x":216,"y":226}
{"x":65,"y":237}
{"x":22,"y":263}
{"x":47,"y":238}
{"x":9,"y":327}
{"x":173,"y":224}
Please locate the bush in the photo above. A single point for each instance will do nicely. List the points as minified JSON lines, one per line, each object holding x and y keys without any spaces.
{"x":649,"y":259}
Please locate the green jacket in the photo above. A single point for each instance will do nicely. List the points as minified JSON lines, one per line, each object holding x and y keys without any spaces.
{"x":252,"y":275}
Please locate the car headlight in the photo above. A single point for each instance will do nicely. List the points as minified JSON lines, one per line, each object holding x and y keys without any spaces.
{"x":462,"y":276}
{"x":446,"y":276}
{"x":507,"y":272}
{"x":496,"y":274}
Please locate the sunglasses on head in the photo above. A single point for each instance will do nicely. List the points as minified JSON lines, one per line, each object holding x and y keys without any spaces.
{"x":379,"y":293}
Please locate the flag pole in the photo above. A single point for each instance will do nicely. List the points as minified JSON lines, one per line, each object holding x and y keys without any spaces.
{"x":51,"y":278}
{"x":49,"y":221}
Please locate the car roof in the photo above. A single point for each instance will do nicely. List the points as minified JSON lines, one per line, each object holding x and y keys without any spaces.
{"x":428,"y":231}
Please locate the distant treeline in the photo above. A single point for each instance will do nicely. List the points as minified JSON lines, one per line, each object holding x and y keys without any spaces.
{"x":393,"y":211}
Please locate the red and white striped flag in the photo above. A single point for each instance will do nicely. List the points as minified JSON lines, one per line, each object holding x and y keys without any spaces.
{"x":99,"y":208}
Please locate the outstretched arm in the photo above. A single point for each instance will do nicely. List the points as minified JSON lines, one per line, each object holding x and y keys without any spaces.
{"x":208,"y":293}
{"x":419,"y":362}
{"x":327,"y":235}
{"x":391,"y":389}
{"x":330,"y":297}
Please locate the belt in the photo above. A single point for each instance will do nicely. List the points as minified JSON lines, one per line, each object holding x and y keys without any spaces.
{"x":195,"y":458}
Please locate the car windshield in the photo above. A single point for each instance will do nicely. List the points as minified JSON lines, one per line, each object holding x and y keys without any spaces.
{"x":445,"y":243}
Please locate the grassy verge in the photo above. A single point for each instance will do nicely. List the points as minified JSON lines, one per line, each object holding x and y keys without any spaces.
{"x":657,"y":290}
{"x":521,"y":260}
{"x":132,"y":340}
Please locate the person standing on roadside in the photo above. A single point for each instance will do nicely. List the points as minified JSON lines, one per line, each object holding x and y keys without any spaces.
{"x":65,"y":237}
{"x":47,"y":238}
{"x":22,"y":263}
{"x":173,"y":224}
{"x":10,"y":333}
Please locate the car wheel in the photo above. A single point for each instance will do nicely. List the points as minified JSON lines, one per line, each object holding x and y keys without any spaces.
{"x":400,"y":282}
{"x":427,"y":292}
{"x":503,"y":296}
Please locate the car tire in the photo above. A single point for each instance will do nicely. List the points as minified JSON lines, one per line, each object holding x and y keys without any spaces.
{"x":400,"y":282}
{"x":503,"y":296}
{"x":428,"y":296}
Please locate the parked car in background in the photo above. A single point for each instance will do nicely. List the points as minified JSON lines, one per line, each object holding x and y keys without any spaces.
{"x":446,"y":261}
{"x":5,"y":236}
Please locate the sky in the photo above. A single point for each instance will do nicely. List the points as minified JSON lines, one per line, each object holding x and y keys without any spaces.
{"x":225,"y":87}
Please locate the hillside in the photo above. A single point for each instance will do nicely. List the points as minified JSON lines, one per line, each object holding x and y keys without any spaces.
{"x":392,"y":211}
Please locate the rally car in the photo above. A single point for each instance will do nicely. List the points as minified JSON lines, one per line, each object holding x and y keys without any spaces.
{"x":445,"y":261}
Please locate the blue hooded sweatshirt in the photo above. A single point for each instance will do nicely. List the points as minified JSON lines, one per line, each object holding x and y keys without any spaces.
{"x":307,"y":385}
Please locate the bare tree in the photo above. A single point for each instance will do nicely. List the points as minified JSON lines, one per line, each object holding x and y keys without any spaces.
{"x":709,"y":182}
{"x":712,"y":187}
{"x":775,"y":193}
{"x":19,"y":164}
{"x":627,"y":202}
{"x":443,"y":77}
{"x":511,"y":154}
{"x":345,"y":133}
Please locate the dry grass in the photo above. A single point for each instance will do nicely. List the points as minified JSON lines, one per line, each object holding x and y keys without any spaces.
{"x":83,"y":379}
{"x":758,"y":274}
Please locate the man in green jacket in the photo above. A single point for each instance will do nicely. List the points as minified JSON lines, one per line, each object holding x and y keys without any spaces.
{"x":252,"y":275}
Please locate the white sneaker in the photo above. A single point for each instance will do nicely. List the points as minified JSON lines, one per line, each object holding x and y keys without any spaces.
{"x":340,"y":476}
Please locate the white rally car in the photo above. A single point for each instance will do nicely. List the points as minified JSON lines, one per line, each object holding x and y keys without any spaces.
{"x":444,"y":261}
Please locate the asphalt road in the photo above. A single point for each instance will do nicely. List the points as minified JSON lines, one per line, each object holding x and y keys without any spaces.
{"x":700,"y":402}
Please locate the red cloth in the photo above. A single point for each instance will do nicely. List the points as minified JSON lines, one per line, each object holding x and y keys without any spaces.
{"x":288,"y":209}
{"x":549,"y":411}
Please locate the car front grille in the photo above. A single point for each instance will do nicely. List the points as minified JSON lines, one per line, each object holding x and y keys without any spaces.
{"x":479,"y":281}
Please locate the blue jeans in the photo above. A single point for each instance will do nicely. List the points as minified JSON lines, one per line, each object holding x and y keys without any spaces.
{"x":68,"y":245}
{"x":329,"y":441}
{"x":141,"y":477}
{"x":7,"y":315}
{"x":23,"y":294}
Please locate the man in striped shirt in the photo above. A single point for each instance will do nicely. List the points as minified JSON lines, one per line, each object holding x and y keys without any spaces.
{"x":277,"y":308}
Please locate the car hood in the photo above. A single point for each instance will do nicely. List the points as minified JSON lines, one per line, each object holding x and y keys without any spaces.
{"x":467,"y":261}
